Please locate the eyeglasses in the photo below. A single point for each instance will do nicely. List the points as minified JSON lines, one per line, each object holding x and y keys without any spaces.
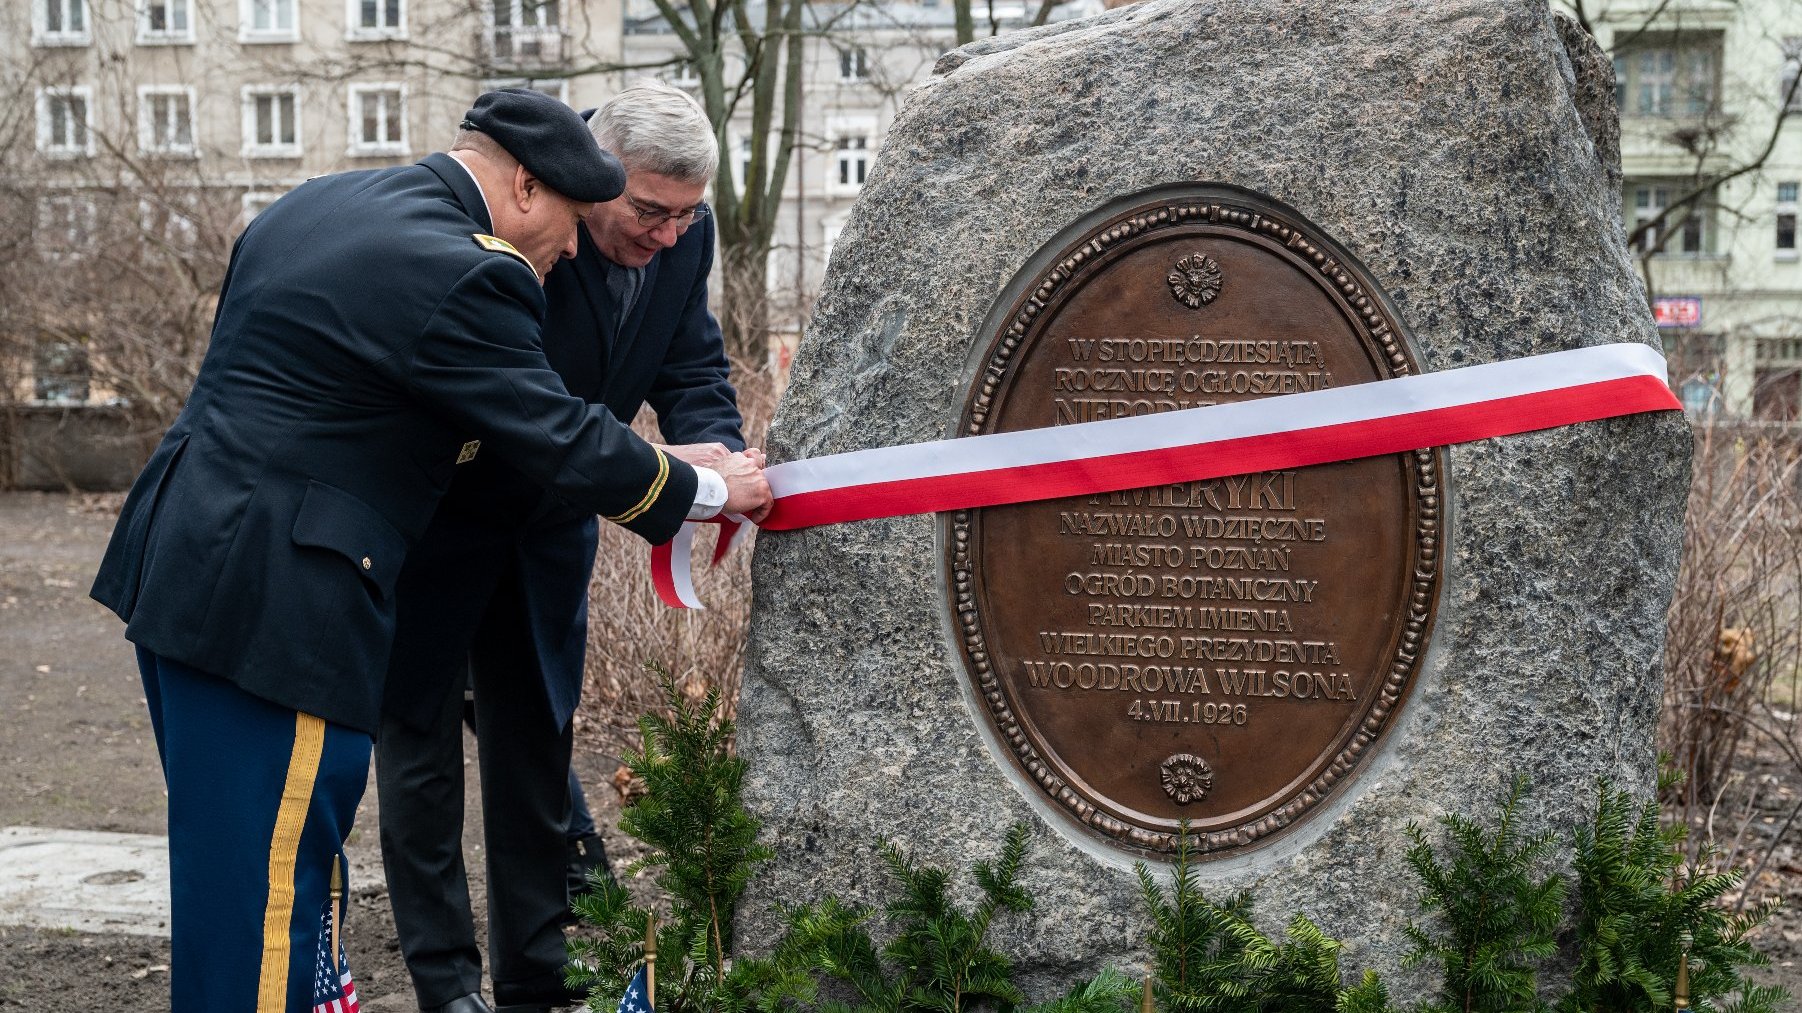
{"x":651,"y":216}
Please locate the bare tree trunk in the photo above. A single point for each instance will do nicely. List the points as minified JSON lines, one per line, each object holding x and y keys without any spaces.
{"x":745,"y":301}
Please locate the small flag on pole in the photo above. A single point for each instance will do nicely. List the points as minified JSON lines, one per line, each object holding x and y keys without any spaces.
{"x":333,"y":989}
{"x":637,"y":998}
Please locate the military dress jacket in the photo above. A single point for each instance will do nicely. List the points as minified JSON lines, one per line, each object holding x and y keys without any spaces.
{"x":667,"y":351}
{"x":368,"y":337}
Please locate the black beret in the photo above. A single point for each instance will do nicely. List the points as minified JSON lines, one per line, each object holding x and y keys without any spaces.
{"x":550,"y":140}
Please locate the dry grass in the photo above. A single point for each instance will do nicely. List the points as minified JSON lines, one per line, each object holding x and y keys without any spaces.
{"x":1734,"y":643}
{"x":630,"y":629}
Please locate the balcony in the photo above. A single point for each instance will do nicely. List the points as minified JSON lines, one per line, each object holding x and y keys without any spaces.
{"x":526,"y":46}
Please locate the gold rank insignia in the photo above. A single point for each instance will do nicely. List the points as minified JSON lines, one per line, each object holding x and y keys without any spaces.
{"x":468,"y":453}
{"x":495,"y":244}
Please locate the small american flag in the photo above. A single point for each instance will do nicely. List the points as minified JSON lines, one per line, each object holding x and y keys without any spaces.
{"x":333,"y":991}
{"x":634,"y":999}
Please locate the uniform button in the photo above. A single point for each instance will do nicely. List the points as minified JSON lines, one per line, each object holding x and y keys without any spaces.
{"x":366,"y":563}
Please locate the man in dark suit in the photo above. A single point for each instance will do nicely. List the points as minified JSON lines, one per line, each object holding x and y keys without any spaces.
{"x":498,"y":585}
{"x":374,"y":330}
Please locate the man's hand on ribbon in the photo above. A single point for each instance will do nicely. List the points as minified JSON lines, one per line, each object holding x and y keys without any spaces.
{"x":747,"y":491}
{"x":700,"y":455}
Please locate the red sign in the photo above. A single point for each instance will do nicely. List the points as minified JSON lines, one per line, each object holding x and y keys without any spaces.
{"x":1677,"y":311}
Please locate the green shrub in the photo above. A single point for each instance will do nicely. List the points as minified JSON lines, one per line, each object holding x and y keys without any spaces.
{"x":1493,"y":913}
{"x":1641,"y":909}
{"x":1209,"y":957}
{"x":1496,"y":915}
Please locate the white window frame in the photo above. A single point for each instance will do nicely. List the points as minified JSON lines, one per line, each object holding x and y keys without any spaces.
{"x":356,"y":31}
{"x":853,"y":64}
{"x":252,"y":148}
{"x":555,"y":87}
{"x":1793,"y":210}
{"x":354,"y":106}
{"x":683,"y":74}
{"x":147,"y":125}
{"x":249,"y":33}
{"x":1699,"y":216}
{"x":742,"y":151}
{"x":72,"y":206}
{"x":178,"y":227}
{"x":50,"y":150}
{"x":1792,"y":67}
{"x":148,"y":36}
{"x":41,"y":35}
{"x":843,"y":130}
{"x":533,"y":28}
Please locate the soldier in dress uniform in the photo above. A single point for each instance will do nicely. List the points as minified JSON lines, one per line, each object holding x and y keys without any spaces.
{"x":375,"y":329}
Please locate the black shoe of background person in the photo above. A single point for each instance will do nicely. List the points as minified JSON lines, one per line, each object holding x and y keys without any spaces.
{"x":471,"y":1003}
{"x":586,"y":853}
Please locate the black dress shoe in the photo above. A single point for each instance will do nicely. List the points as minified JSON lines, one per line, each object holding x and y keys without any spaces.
{"x":471,"y":1003}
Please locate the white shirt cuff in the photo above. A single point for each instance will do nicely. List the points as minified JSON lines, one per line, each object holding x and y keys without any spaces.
{"x":710,"y":495}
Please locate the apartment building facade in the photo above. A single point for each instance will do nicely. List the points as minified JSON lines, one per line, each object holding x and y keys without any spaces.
{"x":1711,"y":152}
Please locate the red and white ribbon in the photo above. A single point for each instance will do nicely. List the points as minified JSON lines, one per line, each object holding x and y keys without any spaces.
{"x":1289,"y":431}
{"x":670,"y":570}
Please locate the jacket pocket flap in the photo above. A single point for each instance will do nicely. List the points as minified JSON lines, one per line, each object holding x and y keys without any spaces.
{"x":333,"y":519}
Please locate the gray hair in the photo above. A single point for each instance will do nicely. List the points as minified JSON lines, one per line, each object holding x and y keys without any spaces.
{"x":653,"y":127}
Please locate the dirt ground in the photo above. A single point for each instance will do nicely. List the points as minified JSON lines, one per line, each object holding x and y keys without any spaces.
{"x":77,"y":753}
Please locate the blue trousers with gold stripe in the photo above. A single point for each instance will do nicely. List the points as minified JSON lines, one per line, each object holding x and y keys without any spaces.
{"x":261,"y":798}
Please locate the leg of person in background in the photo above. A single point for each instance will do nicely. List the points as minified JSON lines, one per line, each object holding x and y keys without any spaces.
{"x":524,"y":761}
{"x":261,"y":798}
{"x":439,"y":601}
{"x":419,"y":779}
{"x":586,"y":852}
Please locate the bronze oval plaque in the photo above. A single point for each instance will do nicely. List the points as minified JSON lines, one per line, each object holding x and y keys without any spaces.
{"x":1224,"y":652}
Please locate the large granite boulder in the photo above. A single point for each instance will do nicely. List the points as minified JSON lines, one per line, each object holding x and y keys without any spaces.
{"x":1462,"y":151}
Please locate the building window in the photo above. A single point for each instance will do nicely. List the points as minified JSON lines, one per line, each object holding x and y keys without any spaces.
{"x":1786,"y":220}
{"x":165,"y":22}
{"x":166,"y":120}
{"x":1669,"y":75}
{"x":376,"y":19}
{"x":59,"y":22}
{"x":171,"y":221}
{"x":60,"y":371}
{"x":556,"y":87}
{"x":1699,"y":398}
{"x":853,"y":161}
{"x":1686,"y":230}
{"x":742,"y":163}
{"x":268,"y":21}
{"x":684,"y":74}
{"x":271,"y":122}
{"x":525,"y":32}
{"x":63,"y":122}
{"x":378,"y":119}
{"x":854,"y":64}
{"x":66,"y":224}
{"x":1789,"y":93}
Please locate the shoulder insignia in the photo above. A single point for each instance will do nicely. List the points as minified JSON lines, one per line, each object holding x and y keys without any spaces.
{"x":495,"y":244}
{"x":468,"y":453}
